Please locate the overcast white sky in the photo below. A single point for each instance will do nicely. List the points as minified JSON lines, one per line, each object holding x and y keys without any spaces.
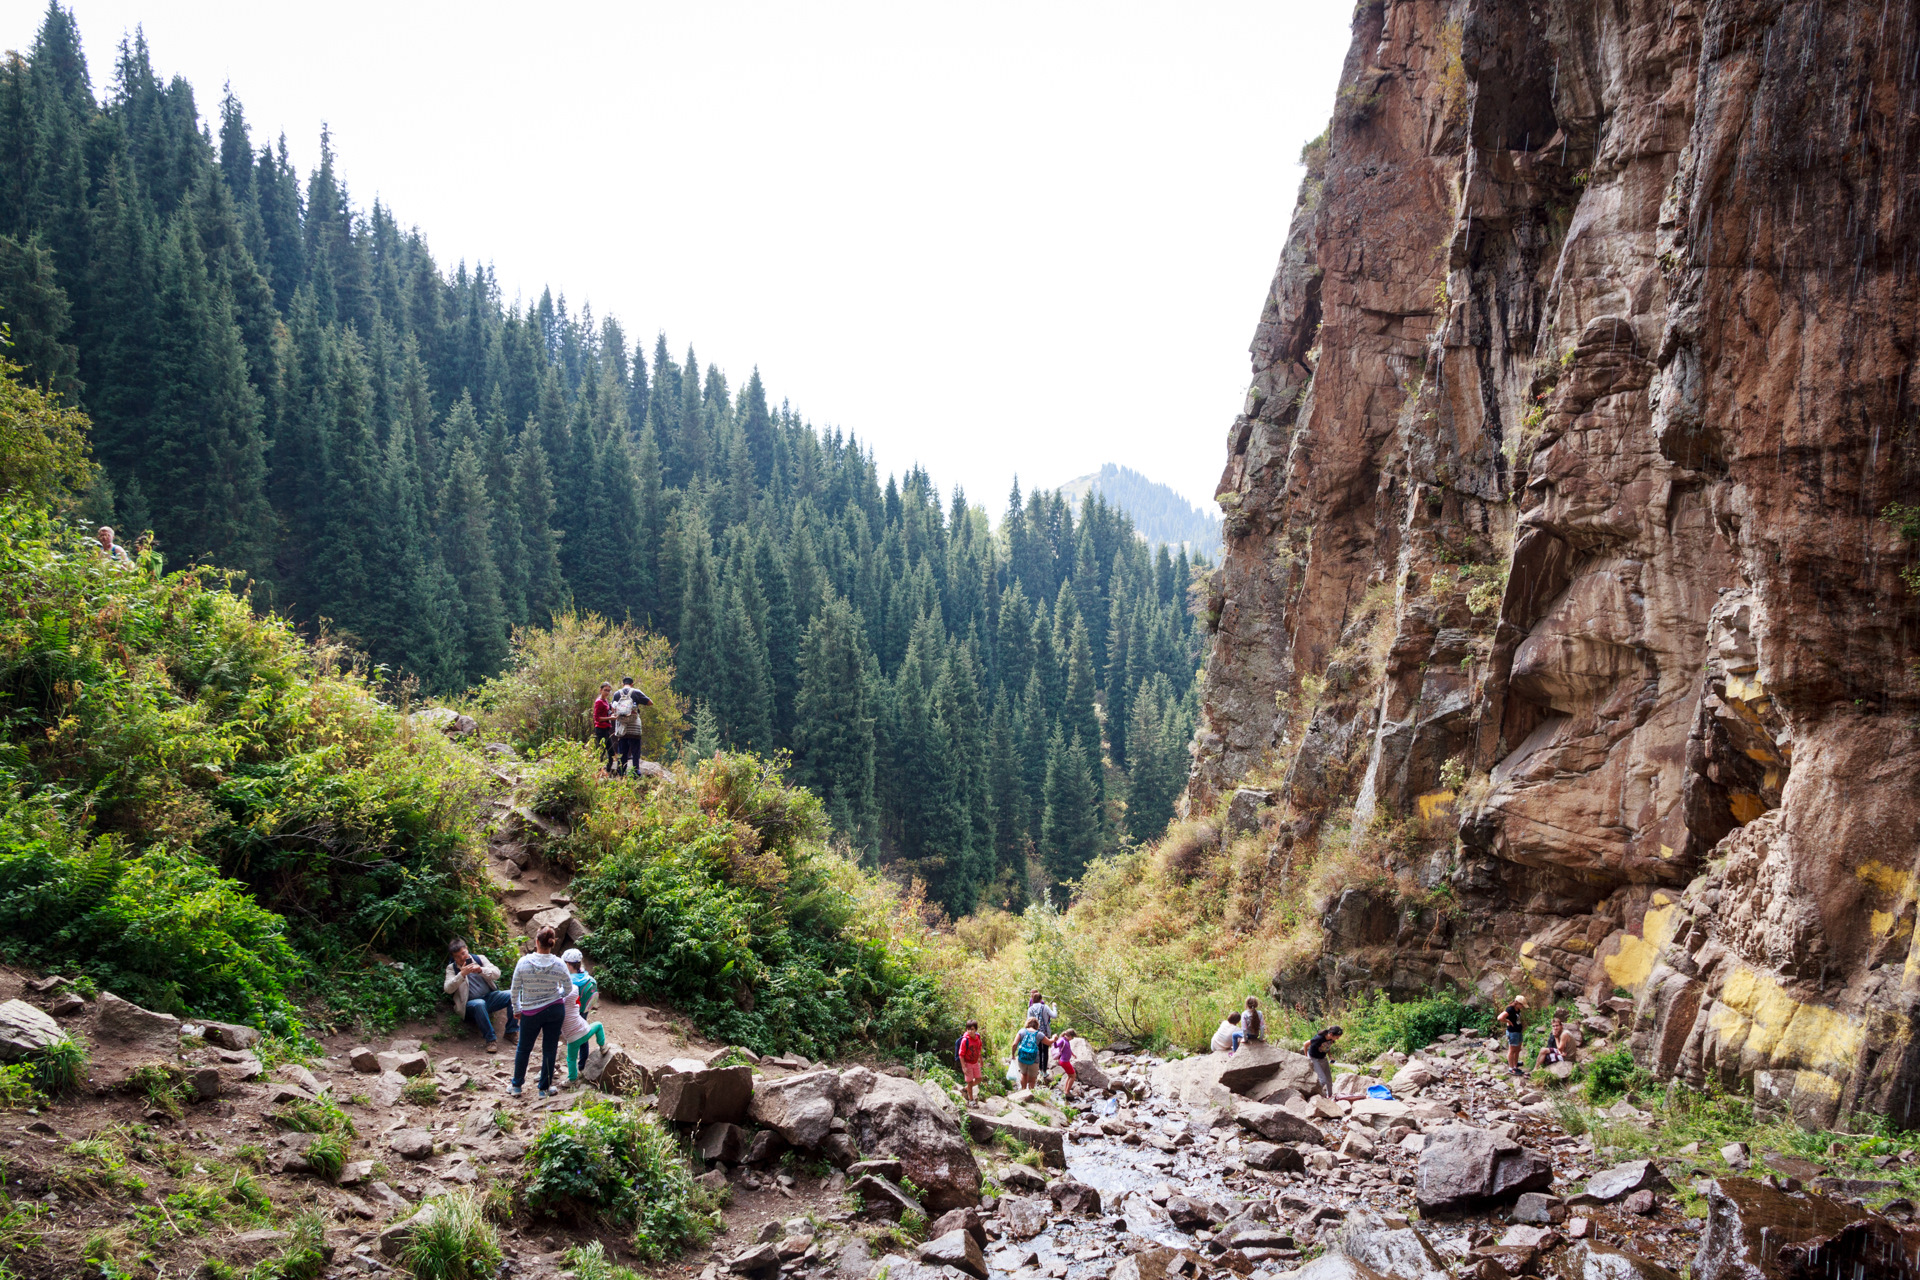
{"x":987,"y":237}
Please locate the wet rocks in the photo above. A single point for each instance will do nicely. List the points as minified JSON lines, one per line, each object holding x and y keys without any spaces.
{"x":956,"y":1248}
{"x":1272,"y":1157}
{"x":1590,"y":1260}
{"x":1464,"y":1168}
{"x":1751,"y":1227}
{"x":967,"y":1220}
{"x":1070,"y":1195}
{"x":1402,"y":1252}
{"x":1023,"y":1217}
{"x":1276,"y":1124}
{"x":1621,"y":1180}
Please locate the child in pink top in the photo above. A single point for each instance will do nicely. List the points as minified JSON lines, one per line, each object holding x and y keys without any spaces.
{"x":575,"y":1031}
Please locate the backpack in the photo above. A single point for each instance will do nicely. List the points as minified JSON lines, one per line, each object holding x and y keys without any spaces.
{"x":960,"y":1048}
{"x":1029,"y":1045}
{"x":626,"y":713}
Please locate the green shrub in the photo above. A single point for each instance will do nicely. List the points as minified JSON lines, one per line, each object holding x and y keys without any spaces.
{"x":452,"y":1241}
{"x":590,"y":1262}
{"x":327,"y":1155}
{"x":304,"y":1258}
{"x":421,"y":1091}
{"x":321,"y":1116}
{"x":547,"y":691}
{"x":726,"y":901}
{"x":1612,"y":1074}
{"x":60,"y":1068}
{"x":1373,"y":1027}
{"x":612,"y":1163}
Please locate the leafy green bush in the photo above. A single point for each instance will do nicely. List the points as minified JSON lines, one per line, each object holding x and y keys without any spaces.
{"x":1611,"y":1074}
{"x":725,"y":900}
{"x":613,"y":1163}
{"x":548,"y":689}
{"x":565,"y":780}
{"x":1375,"y":1026}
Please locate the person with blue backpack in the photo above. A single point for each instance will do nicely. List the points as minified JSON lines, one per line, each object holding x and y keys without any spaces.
{"x":1026,"y":1053}
{"x":969,"y":1049}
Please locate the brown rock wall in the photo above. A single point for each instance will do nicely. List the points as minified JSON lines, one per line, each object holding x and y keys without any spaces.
{"x":1584,"y":380}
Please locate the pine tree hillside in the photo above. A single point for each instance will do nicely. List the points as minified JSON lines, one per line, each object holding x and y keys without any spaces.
{"x":288,"y":385}
{"x":1160,"y":513}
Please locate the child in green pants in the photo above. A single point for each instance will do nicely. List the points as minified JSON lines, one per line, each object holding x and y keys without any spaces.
{"x":575,"y":1031}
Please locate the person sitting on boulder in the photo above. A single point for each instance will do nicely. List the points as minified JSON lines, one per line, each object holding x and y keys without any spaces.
{"x":1227,"y":1036}
{"x":1026,"y":1053}
{"x":1252,"y":1025}
{"x":1561,"y":1042}
{"x":1317,"y":1056}
{"x":970,"y":1050}
{"x":474,"y":983}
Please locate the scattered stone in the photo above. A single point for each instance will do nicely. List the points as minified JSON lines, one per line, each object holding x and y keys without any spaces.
{"x":957,"y":1249}
{"x":892,"y":1116}
{"x":762,"y":1257}
{"x":1050,"y":1142}
{"x":1539,"y":1208}
{"x":724,"y":1142}
{"x":1023,"y":1218}
{"x":1070,"y":1195}
{"x":1018,"y":1177}
{"x":1591,"y":1260}
{"x":1623,"y":1179}
{"x":705,"y":1094}
{"x":1273,"y":1158}
{"x":1276,"y":1124}
{"x":883,"y":1198}
{"x":1402,"y":1252}
{"x":397,"y":1237}
{"x":230,"y":1035}
{"x":355,"y":1172}
{"x":411,"y":1144}
{"x":967,"y":1220}
{"x":1641,"y":1202}
{"x":384,"y":1090}
{"x":25,"y":1030}
{"x":364,"y":1059}
{"x":1735,"y":1154}
{"x":1466,"y":1168}
{"x":205,"y":1083}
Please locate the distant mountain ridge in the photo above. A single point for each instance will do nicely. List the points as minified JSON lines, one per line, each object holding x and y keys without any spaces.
{"x":1159,"y":513}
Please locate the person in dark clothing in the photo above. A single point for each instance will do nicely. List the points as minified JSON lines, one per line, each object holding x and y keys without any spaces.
{"x":1514,"y":1019}
{"x":1317,"y":1057}
{"x":603,"y":723}
{"x":627,"y":702}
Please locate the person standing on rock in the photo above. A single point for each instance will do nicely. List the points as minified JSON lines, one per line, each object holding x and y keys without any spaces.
{"x":1043,"y":1015}
{"x":603,"y":724}
{"x":540,"y":986}
{"x":1027,"y":1048}
{"x":1063,"y":1054}
{"x":1317,"y":1057}
{"x":627,"y":702}
{"x":970,"y":1050}
{"x":473,"y":982}
{"x":1252,"y":1025}
{"x":1514,"y":1019}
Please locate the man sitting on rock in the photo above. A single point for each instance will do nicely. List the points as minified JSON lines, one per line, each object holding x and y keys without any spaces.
{"x":474,"y":983}
{"x":1561,"y":1044}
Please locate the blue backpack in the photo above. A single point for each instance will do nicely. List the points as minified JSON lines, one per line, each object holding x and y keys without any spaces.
{"x":1029,"y":1050}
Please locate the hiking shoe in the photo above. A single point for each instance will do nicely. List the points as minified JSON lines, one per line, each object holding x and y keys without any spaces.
{"x":493,"y":1046}
{"x":513,"y":1090}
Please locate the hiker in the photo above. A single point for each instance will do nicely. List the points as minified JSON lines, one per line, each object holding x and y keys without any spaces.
{"x":1514,"y":1019}
{"x":1317,"y":1057}
{"x":474,"y":983}
{"x":1043,"y":1015}
{"x":582,"y":980}
{"x":627,"y":702}
{"x":603,"y":724}
{"x":1227,"y":1036}
{"x":1252,"y":1024}
{"x":540,"y":986}
{"x":1063,"y":1054}
{"x":576,"y":1031}
{"x":116,"y":554}
{"x":1028,"y":1046}
{"x":1562,"y":1041}
{"x":969,"y":1049}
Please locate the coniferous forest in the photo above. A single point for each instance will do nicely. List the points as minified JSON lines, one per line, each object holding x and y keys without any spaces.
{"x":290,"y":386}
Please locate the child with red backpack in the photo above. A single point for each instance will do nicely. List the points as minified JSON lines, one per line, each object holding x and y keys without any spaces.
{"x":970,"y":1049}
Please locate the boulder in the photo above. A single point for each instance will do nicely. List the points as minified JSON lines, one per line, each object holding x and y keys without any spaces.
{"x":1357,"y":1144}
{"x":1414,"y":1075}
{"x":384,"y":1090}
{"x":127,"y":1037}
{"x":205,"y":1083}
{"x":1070,"y":1195}
{"x":800,"y":1108}
{"x":1622,"y":1180}
{"x":1273,"y":1157}
{"x":891,"y":1170}
{"x":614,"y":1070}
{"x":1018,"y":1177}
{"x":1590,"y":1260}
{"x":892,"y":1116}
{"x":411,"y":1144}
{"x":967,"y":1220}
{"x":1024,"y":1218}
{"x":883,"y":1198}
{"x":570,"y":927}
{"x":766,"y":1147}
{"x":1758,"y":1232}
{"x":1276,"y":1124}
{"x":230,"y":1035}
{"x":1050,"y":1142}
{"x":706,"y":1094}
{"x":1379,"y":1112}
{"x":956,"y":1248}
{"x":1538,"y":1208}
{"x":1401,"y":1252}
{"x":1092,"y":1075}
{"x":1464,"y":1168}
{"x":364,"y":1059}
{"x":1187,"y":1213}
{"x":1152,"y":1264}
{"x":25,"y":1030}
{"x":760,"y":1258}
{"x":1332,"y":1265}
{"x":724,"y":1142}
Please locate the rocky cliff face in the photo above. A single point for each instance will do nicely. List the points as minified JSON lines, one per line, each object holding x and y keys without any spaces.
{"x":1555,"y":524}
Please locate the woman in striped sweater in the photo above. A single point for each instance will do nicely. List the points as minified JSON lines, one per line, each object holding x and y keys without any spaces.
{"x":541,"y":982}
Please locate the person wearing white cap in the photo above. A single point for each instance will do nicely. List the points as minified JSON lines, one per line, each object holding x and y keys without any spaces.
{"x":576,"y":1030}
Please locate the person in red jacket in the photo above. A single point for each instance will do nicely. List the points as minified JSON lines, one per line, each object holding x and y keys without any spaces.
{"x":603,"y":724}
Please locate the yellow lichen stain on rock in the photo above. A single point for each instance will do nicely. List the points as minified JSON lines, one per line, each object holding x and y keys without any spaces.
{"x":1746,"y":806}
{"x":1806,"y":1083}
{"x":1666,"y":851}
{"x":1882,"y":923}
{"x":1745,"y":690}
{"x":1630,"y":966}
{"x":1882,"y":876}
{"x":1756,"y":1013}
{"x":1434,"y":804}
{"x":1526,"y":948}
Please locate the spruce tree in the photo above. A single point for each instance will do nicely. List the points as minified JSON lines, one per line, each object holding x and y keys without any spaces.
{"x":465,"y":523}
{"x":1070,"y":826}
{"x":697,"y":662}
{"x":833,"y":721}
{"x":533,"y":491}
{"x":744,"y":692}
{"x":1079,"y":718}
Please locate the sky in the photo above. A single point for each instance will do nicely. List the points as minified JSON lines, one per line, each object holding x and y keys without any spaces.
{"x":989,"y":239}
